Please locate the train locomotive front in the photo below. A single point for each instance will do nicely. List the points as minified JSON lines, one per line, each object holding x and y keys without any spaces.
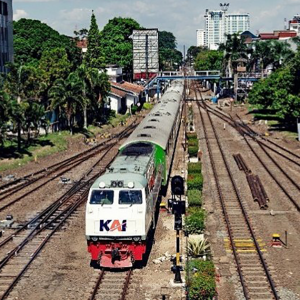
{"x":122,"y":202}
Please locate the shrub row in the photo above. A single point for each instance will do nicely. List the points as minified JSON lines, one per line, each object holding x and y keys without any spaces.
{"x":194,"y":197}
{"x":201,"y":282}
{"x":194,"y":220}
{"x":194,"y":168}
{"x":195,"y":182}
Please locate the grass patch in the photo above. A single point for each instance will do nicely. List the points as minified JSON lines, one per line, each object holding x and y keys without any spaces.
{"x":194,"y":198}
{"x":201,"y":281}
{"x":40,"y":147}
{"x":195,"y":182}
{"x":194,"y":220}
{"x":194,"y":168}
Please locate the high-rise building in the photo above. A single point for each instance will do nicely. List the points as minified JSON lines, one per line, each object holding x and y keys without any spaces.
{"x":6,"y":34}
{"x":200,"y":37}
{"x":219,"y":23}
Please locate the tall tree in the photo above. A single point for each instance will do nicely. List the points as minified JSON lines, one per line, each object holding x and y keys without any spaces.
{"x":93,"y":57}
{"x":234,"y":48}
{"x":169,"y":56}
{"x":4,"y":115}
{"x":23,"y":83}
{"x":66,"y":95}
{"x":32,"y":38}
{"x":116,"y":42}
{"x":209,"y":60}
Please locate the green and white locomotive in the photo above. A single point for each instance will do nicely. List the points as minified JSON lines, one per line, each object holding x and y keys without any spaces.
{"x":122,"y":202}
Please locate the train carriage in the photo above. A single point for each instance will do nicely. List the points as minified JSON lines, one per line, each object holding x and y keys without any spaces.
{"x":122,"y":202}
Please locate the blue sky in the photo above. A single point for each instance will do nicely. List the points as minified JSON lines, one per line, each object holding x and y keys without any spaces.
{"x":181,"y":17}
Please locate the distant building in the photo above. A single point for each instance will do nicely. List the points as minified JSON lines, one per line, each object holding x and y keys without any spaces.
{"x":295,"y":24}
{"x":124,"y":95}
{"x":278,"y":35}
{"x":114,"y":72}
{"x":200,"y":37}
{"x":82,"y":44}
{"x":6,"y":34}
{"x":218,"y":24}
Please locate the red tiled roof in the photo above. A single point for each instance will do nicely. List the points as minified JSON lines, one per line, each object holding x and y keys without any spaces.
{"x":117,"y":92}
{"x":268,"y":36}
{"x":82,"y":44}
{"x":130,"y":87}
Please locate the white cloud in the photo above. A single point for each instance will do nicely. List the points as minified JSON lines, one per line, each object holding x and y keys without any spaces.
{"x":19,"y":14}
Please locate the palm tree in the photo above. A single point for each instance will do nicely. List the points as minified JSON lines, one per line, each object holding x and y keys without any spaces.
{"x":234,"y":48}
{"x":66,"y":95}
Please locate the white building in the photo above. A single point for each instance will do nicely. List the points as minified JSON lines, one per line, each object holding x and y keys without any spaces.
{"x":295,"y":24}
{"x":200,"y":37}
{"x":218,"y":24}
{"x":6,"y":34}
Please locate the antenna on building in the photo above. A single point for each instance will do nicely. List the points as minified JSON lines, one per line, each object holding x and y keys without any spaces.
{"x":224,"y":6}
{"x":285,"y":23}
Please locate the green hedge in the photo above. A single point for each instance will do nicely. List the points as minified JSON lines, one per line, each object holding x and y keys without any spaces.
{"x":193,"y":151}
{"x":194,"y":168}
{"x":147,"y":105}
{"x":195,"y":182}
{"x":194,"y":221}
{"x":193,"y":142}
{"x":201,"y":281}
{"x":192,"y":136}
{"x":194,"y":198}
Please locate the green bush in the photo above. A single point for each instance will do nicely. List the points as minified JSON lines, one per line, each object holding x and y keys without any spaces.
{"x":134,"y":109}
{"x":194,"y":168}
{"x":194,"y":198}
{"x":195,"y":182}
{"x":193,"y":142}
{"x":192,"y":136}
{"x":193,"y":151}
{"x":201,"y":281}
{"x":194,"y":221}
{"x":147,"y":105}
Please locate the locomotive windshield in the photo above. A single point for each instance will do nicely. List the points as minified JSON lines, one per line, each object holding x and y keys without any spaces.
{"x":130,"y":197}
{"x":102,"y":197}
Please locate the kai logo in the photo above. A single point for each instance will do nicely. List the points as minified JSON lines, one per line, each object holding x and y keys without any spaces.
{"x":113,"y":225}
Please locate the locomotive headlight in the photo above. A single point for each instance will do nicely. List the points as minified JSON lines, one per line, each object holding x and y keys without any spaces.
{"x":137,"y":239}
{"x":130,"y":185}
{"x":120,"y":184}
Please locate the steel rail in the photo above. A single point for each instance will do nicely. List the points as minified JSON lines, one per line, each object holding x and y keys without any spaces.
{"x":245,"y":214}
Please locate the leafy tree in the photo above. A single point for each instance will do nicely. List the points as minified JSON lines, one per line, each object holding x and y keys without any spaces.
{"x":4,"y":115}
{"x":93,"y":57}
{"x":55,"y":64}
{"x":32,"y":38}
{"x":23,"y":83}
{"x":169,"y":56}
{"x":116,"y":42}
{"x":33,"y":114}
{"x":192,"y":53}
{"x":209,"y":60}
{"x":280,"y":91}
{"x":234,"y":48}
{"x":66,"y":95}
{"x":81,"y":34}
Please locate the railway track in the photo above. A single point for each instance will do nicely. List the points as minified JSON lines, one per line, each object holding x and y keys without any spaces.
{"x":35,"y":181}
{"x":253,"y":272}
{"x":27,"y":242}
{"x":111,"y":285}
{"x":275,"y":159}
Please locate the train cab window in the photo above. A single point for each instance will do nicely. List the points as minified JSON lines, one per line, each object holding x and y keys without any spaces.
{"x":102,"y":197}
{"x":130,"y":197}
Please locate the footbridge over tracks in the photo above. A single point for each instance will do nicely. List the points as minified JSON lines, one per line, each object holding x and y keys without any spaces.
{"x":207,"y":75}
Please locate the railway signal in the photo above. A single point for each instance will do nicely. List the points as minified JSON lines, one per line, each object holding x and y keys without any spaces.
{"x":178,"y":209}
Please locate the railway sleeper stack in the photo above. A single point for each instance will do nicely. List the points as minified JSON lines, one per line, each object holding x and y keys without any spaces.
{"x":241,"y":163}
{"x":258,"y":192}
